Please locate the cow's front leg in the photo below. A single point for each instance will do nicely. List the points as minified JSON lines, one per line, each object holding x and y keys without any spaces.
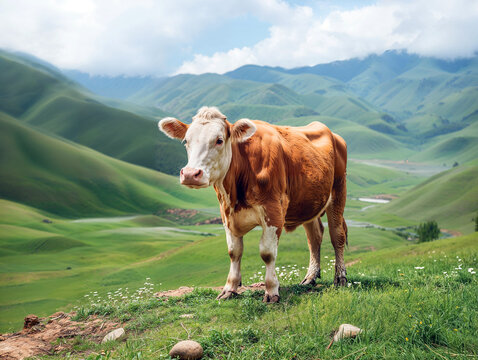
{"x":268,"y":251}
{"x":234,"y":247}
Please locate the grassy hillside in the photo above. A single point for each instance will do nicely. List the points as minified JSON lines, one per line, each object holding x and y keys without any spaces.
{"x":46,"y":99}
{"x":264,"y":93}
{"x":460,"y":146}
{"x":412,"y":301}
{"x":450,"y":198}
{"x":72,"y":180}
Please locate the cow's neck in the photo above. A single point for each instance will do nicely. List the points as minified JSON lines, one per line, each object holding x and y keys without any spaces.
{"x":231,"y":190}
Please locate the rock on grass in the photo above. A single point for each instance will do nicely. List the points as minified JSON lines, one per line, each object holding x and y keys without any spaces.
{"x":187,"y":350}
{"x":113,"y":335}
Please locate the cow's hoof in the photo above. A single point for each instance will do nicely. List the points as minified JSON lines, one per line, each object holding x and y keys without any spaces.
{"x":270,"y":299}
{"x":340,"y":281}
{"x":308,"y":281}
{"x":226,"y":294}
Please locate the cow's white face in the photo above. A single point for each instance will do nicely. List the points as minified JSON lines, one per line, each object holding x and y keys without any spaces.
{"x":208,"y":142}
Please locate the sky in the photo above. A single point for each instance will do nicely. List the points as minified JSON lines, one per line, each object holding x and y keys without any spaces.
{"x":167,"y":37}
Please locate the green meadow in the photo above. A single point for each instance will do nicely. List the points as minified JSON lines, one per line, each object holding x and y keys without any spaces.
{"x":411,"y":301}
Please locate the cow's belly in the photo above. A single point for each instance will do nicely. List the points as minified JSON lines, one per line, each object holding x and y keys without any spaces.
{"x":299,"y":213}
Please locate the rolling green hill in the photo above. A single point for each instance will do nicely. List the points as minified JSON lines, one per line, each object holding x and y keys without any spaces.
{"x":71,"y":180}
{"x":460,"y":146}
{"x":46,"y":99}
{"x":239,"y":96}
{"x":449,"y":197}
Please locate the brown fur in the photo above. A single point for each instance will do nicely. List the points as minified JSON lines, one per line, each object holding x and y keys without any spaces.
{"x":290,"y":172}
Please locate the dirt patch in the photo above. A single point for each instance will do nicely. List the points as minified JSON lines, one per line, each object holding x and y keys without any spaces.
{"x":452,"y":233}
{"x":39,"y":335}
{"x":368,"y":248}
{"x":183,"y":290}
{"x":179,"y":215}
{"x":214,"y":220}
{"x":353,"y":262}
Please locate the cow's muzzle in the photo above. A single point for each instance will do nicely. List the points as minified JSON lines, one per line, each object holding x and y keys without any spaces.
{"x":192,"y":177}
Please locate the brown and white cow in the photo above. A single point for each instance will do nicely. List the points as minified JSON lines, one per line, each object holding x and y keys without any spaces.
{"x":276,"y":177}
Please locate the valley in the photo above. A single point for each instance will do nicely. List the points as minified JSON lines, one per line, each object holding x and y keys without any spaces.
{"x":90,"y":200}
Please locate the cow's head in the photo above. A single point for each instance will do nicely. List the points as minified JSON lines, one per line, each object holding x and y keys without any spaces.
{"x":208,"y":140}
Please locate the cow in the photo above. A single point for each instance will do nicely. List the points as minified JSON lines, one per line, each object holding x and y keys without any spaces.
{"x":275,"y":177}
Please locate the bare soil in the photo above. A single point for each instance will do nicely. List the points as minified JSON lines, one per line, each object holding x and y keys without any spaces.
{"x":52,"y":334}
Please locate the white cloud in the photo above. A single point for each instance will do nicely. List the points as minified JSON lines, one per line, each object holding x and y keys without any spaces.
{"x":445,"y":29}
{"x":114,"y":36}
{"x":159,"y":37}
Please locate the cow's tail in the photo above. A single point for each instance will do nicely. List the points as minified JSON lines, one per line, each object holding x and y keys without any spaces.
{"x":346,"y":232}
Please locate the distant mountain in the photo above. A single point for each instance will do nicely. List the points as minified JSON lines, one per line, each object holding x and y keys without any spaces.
{"x":184,"y":94}
{"x":401,"y":105}
{"x":119,"y":87}
{"x":43,"y":97}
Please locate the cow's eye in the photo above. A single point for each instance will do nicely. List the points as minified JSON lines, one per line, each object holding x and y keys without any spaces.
{"x":219,"y":141}
{"x":185,"y":142}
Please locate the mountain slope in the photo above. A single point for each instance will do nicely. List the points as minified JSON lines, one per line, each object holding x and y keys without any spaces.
{"x":449,"y":197}
{"x":70,"y":180}
{"x":44,"y":98}
{"x":119,"y":87}
{"x":247,"y":92}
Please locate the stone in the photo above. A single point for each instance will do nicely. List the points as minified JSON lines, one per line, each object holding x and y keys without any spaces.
{"x":113,"y":335}
{"x":346,"y":331}
{"x":30,"y":321}
{"x":187,"y":350}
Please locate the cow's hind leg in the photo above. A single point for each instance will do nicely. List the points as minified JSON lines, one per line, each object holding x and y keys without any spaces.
{"x":235,"y":248}
{"x":338,"y":229}
{"x":314,"y":231}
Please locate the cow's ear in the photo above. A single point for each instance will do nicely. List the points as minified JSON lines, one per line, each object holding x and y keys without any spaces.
{"x":173,"y":128}
{"x":242,"y":130}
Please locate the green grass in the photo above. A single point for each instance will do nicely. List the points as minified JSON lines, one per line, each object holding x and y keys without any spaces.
{"x":449,"y":197}
{"x":412,"y":301}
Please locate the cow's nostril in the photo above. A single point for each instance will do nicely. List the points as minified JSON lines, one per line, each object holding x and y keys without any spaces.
{"x":182,"y":171}
{"x":198,"y":174}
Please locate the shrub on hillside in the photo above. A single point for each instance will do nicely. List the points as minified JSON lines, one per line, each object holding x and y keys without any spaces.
{"x":428,"y":231}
